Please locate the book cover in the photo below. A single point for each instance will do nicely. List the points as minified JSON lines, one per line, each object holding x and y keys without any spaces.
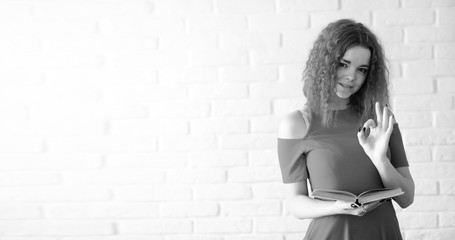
{"x":363,"y":198}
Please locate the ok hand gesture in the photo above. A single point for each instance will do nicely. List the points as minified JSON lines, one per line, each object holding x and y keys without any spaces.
{"x":376,"y":143}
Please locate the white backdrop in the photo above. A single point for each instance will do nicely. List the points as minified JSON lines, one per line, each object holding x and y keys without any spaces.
{"x":156,"y":120}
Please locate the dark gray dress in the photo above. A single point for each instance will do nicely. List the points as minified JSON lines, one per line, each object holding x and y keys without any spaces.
{"x":332,"y":158}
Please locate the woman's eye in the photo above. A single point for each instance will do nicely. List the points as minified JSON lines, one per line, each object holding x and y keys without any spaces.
{"x":363,"y":70}
{"x":342,"y":64}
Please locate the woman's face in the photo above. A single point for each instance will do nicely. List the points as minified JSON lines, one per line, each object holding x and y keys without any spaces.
{"x":352,"y":71}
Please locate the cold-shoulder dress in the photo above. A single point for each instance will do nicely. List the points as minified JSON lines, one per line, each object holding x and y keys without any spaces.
{"x":332,"y":158}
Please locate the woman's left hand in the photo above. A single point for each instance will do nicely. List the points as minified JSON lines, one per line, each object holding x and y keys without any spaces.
{"x":376,"y":143}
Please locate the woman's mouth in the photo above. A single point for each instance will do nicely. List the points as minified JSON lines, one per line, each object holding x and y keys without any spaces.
{"x":345,"y":86}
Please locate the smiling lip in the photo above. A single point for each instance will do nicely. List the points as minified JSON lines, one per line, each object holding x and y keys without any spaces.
{"x":345,"y":85}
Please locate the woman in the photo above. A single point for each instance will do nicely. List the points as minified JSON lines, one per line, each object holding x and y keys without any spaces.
{"x":334,"y":143}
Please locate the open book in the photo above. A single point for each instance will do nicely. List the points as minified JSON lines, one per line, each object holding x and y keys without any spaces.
{"x":363,"y":198}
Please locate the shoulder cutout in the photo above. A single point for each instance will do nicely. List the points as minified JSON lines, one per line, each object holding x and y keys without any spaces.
{"x":293,"y":126}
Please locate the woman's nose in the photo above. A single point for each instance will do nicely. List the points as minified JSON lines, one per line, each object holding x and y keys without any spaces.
{"x":350,"y":75}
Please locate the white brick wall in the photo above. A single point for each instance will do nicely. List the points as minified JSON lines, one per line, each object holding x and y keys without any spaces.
{"x":156,"y":119}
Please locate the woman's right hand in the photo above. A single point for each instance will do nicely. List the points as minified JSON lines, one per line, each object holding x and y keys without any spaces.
{"x":349,"y":208}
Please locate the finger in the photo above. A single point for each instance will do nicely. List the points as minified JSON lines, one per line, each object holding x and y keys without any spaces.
{"x":378,"y":113}
{"x":369,"y":124}
{"x":390,"y":126}
{"x":361,"y":136}
{"x":385,"y":117}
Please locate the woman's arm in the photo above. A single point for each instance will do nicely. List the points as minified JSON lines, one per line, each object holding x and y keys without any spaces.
{"x":376,"y":145}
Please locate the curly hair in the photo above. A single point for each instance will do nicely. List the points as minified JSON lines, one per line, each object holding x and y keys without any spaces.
{"x":319,"y":75}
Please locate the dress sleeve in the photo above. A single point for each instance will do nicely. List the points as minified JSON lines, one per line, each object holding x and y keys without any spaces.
{"x":292,"y":160}
{"x":397,"y":152}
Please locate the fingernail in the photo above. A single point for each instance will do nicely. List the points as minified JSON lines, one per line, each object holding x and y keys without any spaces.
{"x":364,"y":129}
{"x":360,"y":128}
{"x":386,"y":105}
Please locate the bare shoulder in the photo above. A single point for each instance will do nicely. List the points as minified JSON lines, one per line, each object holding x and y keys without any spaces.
{"x":293,"y":126}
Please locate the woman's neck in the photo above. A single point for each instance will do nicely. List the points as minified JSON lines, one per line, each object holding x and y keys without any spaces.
{"x":339,"y":103}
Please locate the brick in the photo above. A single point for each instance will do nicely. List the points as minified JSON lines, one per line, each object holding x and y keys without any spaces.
{"x":404,"y":17}
{"x":55,"y":194}
{"x":292,"y":73}
{"x":264,"y":124}
{"x":258,"y":174}
{"x":418,"y":154}
{"x":286,"y":224}
{"x":369,"y":5}
{"x":445,"y":119}
{"x":154,"y":127}
{"x":446,"y":16}
{"x":444,"y":233}
{"x":444,"y":153}
{"x":159,"y":59}
{"x":286,"y":6}
{"x":196,"y":176}
{"x":182,"y":7}
{"x":263,"y":158}
{"x":278,"y":56}
{"x":223,"y":125}
{"x":320,"y":20}
{"x":154,"y":160}
{"x":217,"y":57}
{"x":124,"y":237}
{"x":241,"y":108}
{"x":179,"y":109}
{"x":188,"y":143}
{"x":448,"y":187}
{"x":21,"y":45}
{"x":16,"y":211}
{"x":389,"y":34}
{"x":223,"y":225}
{"x":275,"y":90}
{"x":414,"y":119}
{"x":21,"y":78}
{"x":250,"y":40}
{"x":189,"y":209}
{"x":21,"y":145}
{"x":188,"y":75}
{"x":217,"y":23}
{"x":153,"y":193}
{"x":429,"y":34}
{"x":25,"y":161}
{"x":218,"y":159}
{"x":446,"y":84}
{"x":251,"y":208}
{"x":438,"y":204}
{"x":207,"y":92}
{"x":425,"y":186}
{"x":56,"y":228}
{"x":115,"y":177}
{"x":412,"y":85}
{"x":194,"y":237}
{"x":141,"y":25}
{"x":99,"y":145}
{"x":255,"y":237}
{"x":428,"y":137}
{"x":278,"y":22}
{"x":101,"y":210}
{"x":423,"y":103}
{"x":285,"y":106}
{"x":183,"y":41}
{"x":90,"y":10}
{"x":47,"y":26}
{"x":417,"y":4}
{"x":433,"y":170}
{"x":245,"y":142}
{"x":29,"y":178}
{"x":161,"y":226}
{"x":408,"y":51}
{"x":245,"y":6}
{"x":428,"y":68}
{"x":301,"y":39}
{"x":410,"y":220}
{"x":447,"y":219}
{"x":268,"y":191}
{"x":221,"y":192}
{"x":248,"y":73}
{"x":445,"y":51}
